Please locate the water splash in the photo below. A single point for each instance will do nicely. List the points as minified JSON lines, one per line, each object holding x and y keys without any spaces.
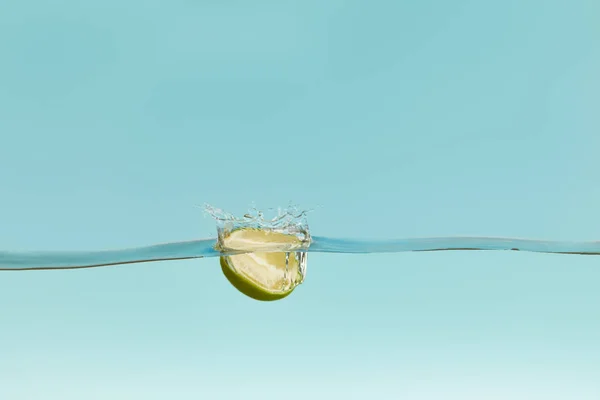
{"x":290,"y":220}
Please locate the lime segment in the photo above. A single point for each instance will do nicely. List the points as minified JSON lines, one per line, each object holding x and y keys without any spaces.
{"x":265,"y":274}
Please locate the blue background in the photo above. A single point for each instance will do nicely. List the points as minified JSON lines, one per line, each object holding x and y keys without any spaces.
{"x":392,"y":119}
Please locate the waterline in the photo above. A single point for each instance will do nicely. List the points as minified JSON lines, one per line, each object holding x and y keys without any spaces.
{"x":22,"y":261}
{"x":332,"y":245}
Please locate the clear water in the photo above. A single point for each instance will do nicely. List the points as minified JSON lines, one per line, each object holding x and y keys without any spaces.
{"x":289,"y":220}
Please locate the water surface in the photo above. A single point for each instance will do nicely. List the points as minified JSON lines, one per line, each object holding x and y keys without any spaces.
{"x":19,"y":261}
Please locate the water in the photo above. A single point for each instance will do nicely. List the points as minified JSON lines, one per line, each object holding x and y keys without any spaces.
{"x":290,"y":221}
{"x":18,"y":261}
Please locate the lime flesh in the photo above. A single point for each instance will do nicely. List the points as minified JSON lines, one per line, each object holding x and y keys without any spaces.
{"x":248,"y":287}
{"x":263,"y":275}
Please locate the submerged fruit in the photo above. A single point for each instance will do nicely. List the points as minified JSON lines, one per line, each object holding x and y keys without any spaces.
{"x":267,"y":274}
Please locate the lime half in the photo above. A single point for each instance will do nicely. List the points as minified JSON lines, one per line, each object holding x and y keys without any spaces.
{"x":266,"y":274}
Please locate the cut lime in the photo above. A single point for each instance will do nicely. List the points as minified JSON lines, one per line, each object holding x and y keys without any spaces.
{"x":267,"y":274}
